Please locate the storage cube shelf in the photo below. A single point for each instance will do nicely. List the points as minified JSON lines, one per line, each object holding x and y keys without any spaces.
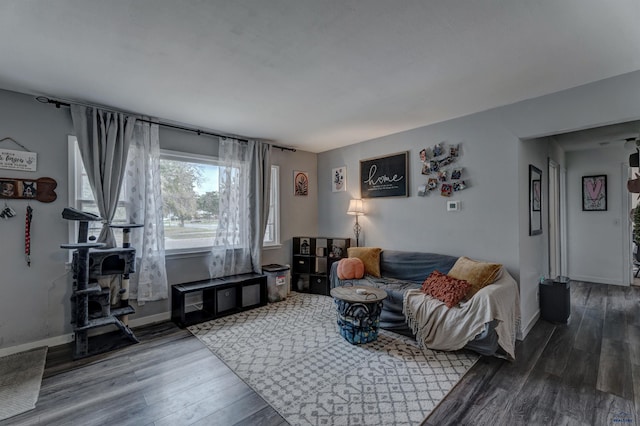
{"x":312,"y":260}
{"x":219,"y":297}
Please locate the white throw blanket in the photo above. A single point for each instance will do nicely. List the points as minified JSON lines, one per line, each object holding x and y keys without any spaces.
{"x":441,"y":328}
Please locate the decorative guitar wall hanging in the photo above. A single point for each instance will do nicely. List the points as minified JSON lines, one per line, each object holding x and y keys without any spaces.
{"x":41,"y":189}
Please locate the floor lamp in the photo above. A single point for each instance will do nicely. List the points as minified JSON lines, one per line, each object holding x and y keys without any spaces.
{"x":356,"y":208}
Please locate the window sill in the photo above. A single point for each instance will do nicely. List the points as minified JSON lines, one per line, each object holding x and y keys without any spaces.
{"x":272,"y":247}
{"x":187,"y":253}
{"x":202,"y":252}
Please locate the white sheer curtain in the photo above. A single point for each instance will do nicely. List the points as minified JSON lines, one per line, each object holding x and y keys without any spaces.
{"x":244,"y":178}
{"x":144,"y":205}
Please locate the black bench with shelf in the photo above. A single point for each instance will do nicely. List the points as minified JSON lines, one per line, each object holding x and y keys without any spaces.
{"x":220,"y":297}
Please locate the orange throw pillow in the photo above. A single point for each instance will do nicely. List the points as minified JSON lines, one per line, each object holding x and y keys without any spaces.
{"x":350,"y":268}
{"x":446,"y":289}
{"x":370,"y":256}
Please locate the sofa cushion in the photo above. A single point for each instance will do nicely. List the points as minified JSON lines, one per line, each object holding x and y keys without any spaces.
{"x":478,"y":274}
{"x":413,"y":266}
{"x":370,"y":256}
{"x":350,"y":268}
{"x":445,"y":288}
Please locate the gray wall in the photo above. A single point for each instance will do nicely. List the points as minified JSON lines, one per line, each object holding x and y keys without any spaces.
{"x":422,"y":223}
{"x":532,"y":249}
{"x":35,"y":306}
{"x":35,"y":300}
{"x":494,"y":215}
{"x":298,"y":215}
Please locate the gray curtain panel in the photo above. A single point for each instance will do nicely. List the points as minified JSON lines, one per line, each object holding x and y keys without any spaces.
{"x":103,"y":139}
{"x":244,"y":179}
{"x":261,"y":165}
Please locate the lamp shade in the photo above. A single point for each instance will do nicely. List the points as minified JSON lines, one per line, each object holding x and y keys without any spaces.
{"x":355,"y":207}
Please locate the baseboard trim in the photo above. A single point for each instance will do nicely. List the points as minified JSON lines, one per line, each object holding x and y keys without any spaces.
{"x":51,"y":341}
{"x":66,"y":338}
{"x":597,"y":280}
{"x":150,"y":319}
{"x":532,"y":322}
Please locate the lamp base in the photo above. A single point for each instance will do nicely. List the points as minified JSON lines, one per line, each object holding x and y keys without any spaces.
{"x":356,"y":230}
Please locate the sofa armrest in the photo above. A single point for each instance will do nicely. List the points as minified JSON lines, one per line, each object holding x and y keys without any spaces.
{"x":334,"y":281}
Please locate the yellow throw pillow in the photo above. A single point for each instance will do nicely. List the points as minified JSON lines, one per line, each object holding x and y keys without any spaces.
{"x":478,"y":274}
{"x":370,"y":256}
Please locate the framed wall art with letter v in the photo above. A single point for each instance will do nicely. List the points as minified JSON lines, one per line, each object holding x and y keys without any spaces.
{"x":594,"y":193}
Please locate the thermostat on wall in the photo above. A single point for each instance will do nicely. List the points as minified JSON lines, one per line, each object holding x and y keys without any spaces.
{"x":453,"y":206}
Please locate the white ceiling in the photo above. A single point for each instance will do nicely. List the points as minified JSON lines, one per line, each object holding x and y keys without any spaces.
{"x":313,"y":74}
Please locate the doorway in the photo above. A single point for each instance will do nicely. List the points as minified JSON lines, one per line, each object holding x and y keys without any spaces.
{"x":591,"y":245}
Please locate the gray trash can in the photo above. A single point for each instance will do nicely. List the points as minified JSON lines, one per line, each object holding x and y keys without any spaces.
{"x":278,"y":279}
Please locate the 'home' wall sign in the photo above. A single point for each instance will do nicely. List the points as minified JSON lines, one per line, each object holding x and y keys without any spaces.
{"x":384,"y":176}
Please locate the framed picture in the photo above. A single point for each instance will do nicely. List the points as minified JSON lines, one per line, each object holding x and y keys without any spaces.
{"x":594,"y":193}
{"x":384,"y":176}
{"x":300,"y":183}
{"x":339,"y":179}
{"x":8,"y":188}
{"x":536,"y":188}
{"x":305,"y":246}
{"x":535,"y":200}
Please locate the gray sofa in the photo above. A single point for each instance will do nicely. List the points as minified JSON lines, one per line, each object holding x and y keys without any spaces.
{"x":401,"y":271}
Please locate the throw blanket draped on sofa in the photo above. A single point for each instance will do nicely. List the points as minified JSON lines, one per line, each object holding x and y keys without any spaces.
{"x":442,"y":328}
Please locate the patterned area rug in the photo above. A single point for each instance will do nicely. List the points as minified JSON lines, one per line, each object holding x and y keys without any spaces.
{"x":20,"y":379}
{"x":292,"y":354}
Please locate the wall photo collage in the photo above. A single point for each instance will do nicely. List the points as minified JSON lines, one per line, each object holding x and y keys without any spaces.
{"x":441,"y":171}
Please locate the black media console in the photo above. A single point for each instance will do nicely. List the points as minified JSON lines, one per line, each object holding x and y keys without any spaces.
{"x":219,"y":297}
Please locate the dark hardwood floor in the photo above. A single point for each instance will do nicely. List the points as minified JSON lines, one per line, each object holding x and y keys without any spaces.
{"x":584,"y":373}
{"x":170,"y":378}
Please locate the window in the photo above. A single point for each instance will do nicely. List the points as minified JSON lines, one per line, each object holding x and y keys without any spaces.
{"x":272,"y":233}
{"x":81,"y":197}
{"x":190,"y":200}
{"x":190,"y":197}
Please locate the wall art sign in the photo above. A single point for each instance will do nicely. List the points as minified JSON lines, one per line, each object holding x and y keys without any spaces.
{"x":300,"y":183}
{"x":339,"y":179}
{"x":384,"y":176}
{"x":594,"y":193}
{"x":18,"y":160}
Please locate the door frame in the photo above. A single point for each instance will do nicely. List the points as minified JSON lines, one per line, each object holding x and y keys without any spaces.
{"x":626,"y":227}
{"x":554,"y":219}
{"x":564,"y":266}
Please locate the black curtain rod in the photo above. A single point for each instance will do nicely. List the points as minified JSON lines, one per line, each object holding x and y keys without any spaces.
{"x":58,"y":104}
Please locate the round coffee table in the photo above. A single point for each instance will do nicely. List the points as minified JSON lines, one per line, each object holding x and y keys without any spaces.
{"x":359,"y":310}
